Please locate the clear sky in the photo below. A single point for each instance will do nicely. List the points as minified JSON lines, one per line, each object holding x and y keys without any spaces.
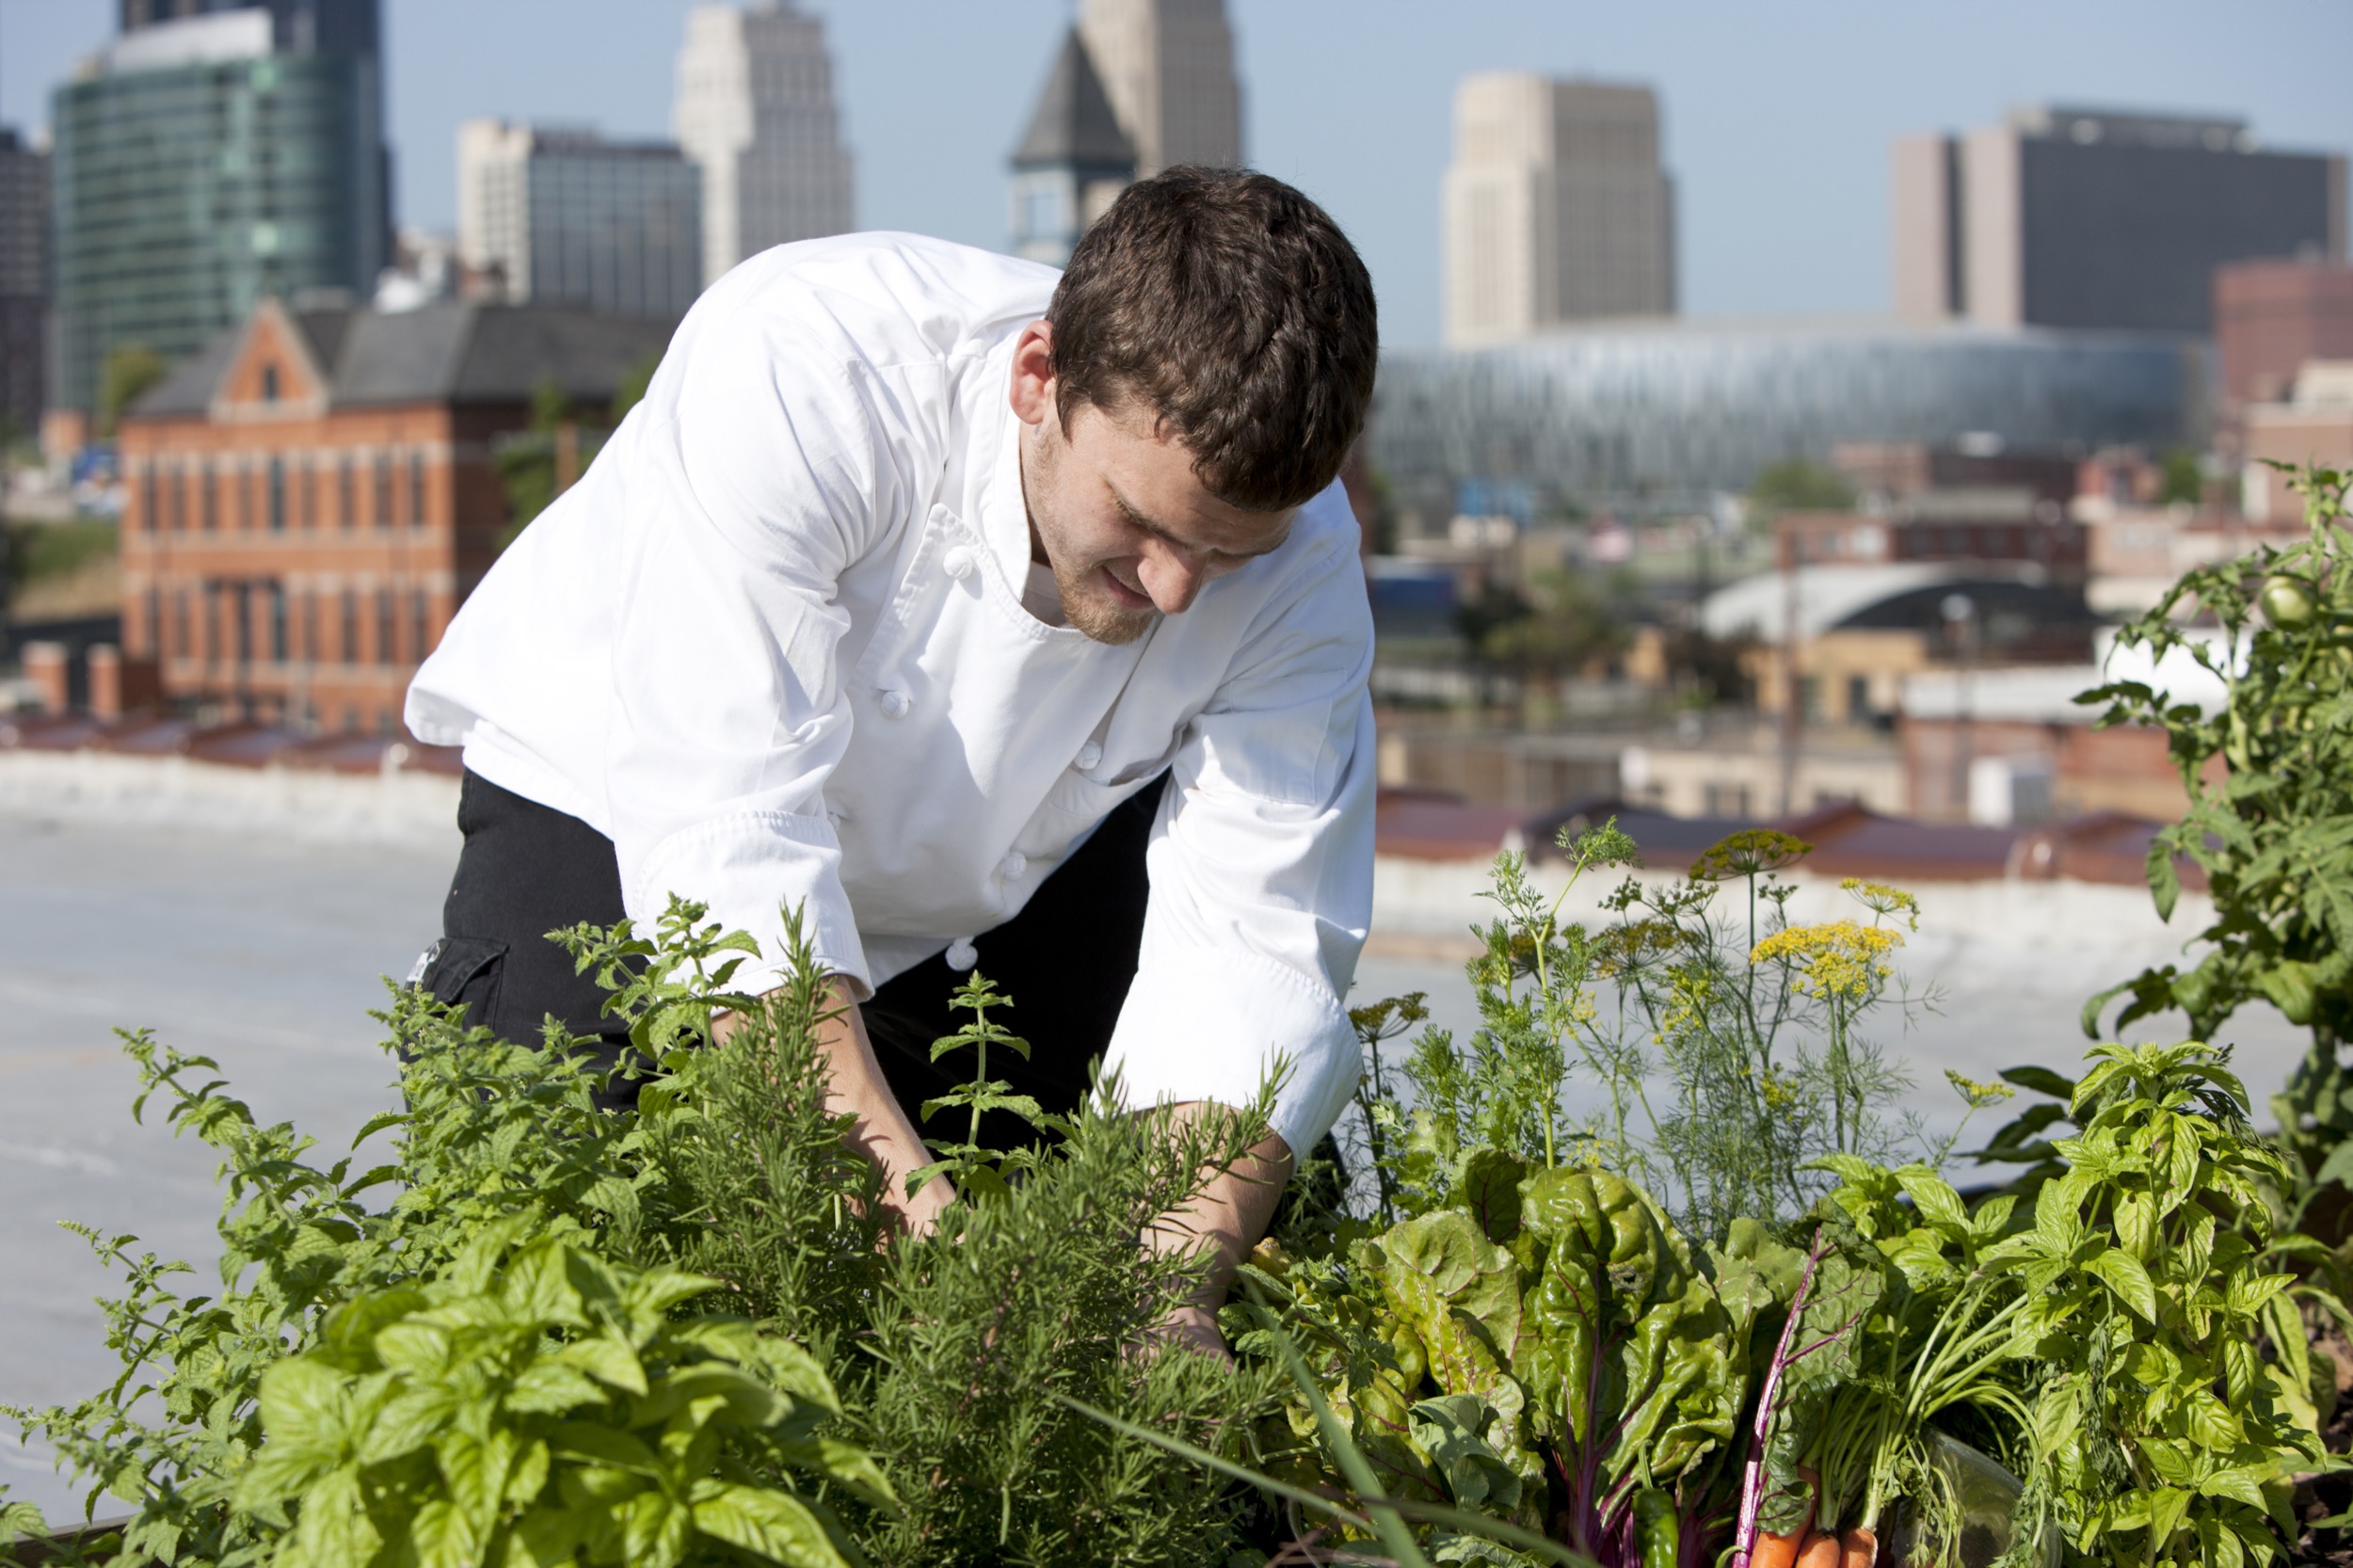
{"x":1778,"y":114}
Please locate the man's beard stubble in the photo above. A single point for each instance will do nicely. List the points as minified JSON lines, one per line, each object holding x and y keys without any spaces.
{"x":1085,"y":602}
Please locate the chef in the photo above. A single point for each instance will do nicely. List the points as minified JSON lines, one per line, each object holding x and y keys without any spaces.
{"x":986,"y":615}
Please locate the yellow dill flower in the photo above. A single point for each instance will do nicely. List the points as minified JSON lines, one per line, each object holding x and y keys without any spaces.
{"x":1836,"y":959}
{"x":1883,"y":898}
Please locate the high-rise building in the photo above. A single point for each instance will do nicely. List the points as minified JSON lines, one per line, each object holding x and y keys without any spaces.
{"x":565,"y":218}
{"x":210,"y":158}
{"x":1168,"y":68}
{"x":1556,"y":207}
{"x":755,"y":112}
{"x":2084,"y":218}
{"x":24,"y":280}
{"x":1072,"y":163}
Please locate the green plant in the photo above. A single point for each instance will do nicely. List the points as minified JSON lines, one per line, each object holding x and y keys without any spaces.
{"x":978,"y":1170}
{"x":128,"y":372}
{"x":1733,"y":1051}
{"x":536,"y":1403}
{"x":2268,"y":774}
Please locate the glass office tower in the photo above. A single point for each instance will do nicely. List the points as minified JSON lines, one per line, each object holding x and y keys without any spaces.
{"x":201,"y":165}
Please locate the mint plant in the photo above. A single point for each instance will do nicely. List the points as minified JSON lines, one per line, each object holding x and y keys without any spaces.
{"x":973,"y":1167}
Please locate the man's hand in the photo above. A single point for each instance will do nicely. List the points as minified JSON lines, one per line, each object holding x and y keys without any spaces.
{"x":882,"y":1131}
{"x":1228,"y":1215}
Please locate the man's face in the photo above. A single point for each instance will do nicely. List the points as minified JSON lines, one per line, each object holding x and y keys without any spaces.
{"x":1116,"y":510}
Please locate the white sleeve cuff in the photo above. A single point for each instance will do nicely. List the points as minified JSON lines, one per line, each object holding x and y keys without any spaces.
{"x":749,"y":868}
{"x":1210,"y":1024}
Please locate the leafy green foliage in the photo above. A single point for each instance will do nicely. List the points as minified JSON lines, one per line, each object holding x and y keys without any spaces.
{"x":979,"y":1169}
{"x":2269,"y":778}
{"x":680,"y":1334}
{"x":1735,"y":1050}
{"x":130,"y":370}
{"x":536,"y":1405}
{"x":1798,"y":486}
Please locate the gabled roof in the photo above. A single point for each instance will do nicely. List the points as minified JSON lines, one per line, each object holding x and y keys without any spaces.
{"x":1074,"y":122}
{"x":444,"y":352}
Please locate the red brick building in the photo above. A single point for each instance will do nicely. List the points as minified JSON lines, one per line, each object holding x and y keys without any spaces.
{"x":312,"y":497}
{"x":2270,"y":317}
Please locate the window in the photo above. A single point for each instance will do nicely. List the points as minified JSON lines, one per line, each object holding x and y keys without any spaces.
{"x":348,"y":501}
{"x":276,"y":496}
{"x":309,"y":492}
{"x":211,"y":623}
{"x":149,"y":521}
{"x":383,"y":518}
{"x":416,"y":489}
{"x":179,"y":500}
{"x":1858,"y":698}
{"x":351,"y":626}
{"x":151,"y":635}
{"x":269,"y":383}
{"x":384,"y":650}
{"x":208,"y":496}
{"x":277,"y":623}
{"x":417,"y":620}
{"x":309,"y":649}
{"x":183,"y":624}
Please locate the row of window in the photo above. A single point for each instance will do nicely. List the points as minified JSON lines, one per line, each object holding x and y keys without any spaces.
{"x":279,"y":495}
{"x":257,"y":622}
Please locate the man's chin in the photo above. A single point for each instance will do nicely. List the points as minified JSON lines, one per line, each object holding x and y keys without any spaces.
{"x":1106,"y":622}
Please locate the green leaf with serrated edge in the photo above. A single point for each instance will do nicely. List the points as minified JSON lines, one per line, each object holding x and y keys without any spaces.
{"x":608,"y":1359}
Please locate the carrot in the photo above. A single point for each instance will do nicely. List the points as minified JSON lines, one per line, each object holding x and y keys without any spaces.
{"x":1821,"y":1551}
{"x":1860,"y":1548}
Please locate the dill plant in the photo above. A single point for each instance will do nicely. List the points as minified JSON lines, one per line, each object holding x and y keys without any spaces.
{"x":1732,"y":1050}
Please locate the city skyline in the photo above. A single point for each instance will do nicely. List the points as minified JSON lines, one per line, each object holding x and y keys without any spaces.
{"x":1779,"y":129}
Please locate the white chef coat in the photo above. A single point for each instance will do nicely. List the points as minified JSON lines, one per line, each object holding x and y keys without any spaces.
{"x":773,"y":646}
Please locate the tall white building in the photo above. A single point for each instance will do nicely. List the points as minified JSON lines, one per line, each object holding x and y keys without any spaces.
{"x":1168,"y":68}
{"x":564,"y":216}
{"x":1557,"y":208}
{"x":754,"y":111}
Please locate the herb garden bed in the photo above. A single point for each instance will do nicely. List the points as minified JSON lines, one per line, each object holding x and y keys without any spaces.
{"x":1739,"y":1317}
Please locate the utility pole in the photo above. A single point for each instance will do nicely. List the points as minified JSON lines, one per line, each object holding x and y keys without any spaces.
{"x":1786,"y":543}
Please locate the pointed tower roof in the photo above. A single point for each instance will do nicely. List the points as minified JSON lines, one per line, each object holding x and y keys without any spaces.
{"x":1074,"y":122}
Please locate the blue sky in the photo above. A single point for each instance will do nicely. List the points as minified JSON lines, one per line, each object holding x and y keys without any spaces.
{"x":1779,"y":113}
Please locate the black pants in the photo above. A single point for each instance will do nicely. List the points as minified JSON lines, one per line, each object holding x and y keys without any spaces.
{"x":1066,"y":960}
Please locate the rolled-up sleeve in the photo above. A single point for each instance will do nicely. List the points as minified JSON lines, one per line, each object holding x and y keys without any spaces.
{"x":1261,"y":876}
{"x":730,"y":715}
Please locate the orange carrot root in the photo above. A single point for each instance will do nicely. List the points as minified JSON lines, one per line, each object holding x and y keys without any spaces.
{"x":1776,"y":1551}
{"x":1821,"y":1551}
{"x":1859,"y":1549}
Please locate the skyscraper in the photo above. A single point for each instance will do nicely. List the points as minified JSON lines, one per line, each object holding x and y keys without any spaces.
{"x":213,"y":155}
{"x":23,"y":280}
{"x":565,"y":218}
{"x":1168,"y":68}
{"x":1073,"y":162}
{"x":1557,"y":208}
{"x":755,"y":112}
{"x":2085,"y":217}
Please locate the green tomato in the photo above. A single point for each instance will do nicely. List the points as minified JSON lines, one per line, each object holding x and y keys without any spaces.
{"x":2287,"y":601}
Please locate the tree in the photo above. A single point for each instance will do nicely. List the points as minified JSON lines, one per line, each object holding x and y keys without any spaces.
{"x":2181,"y":479}
{"x":129,"y":371}
{"x":1560,"y":627}
{"x":1798,"y":486}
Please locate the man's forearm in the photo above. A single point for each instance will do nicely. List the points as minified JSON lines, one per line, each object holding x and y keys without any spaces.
{"x":1226,"y":1217}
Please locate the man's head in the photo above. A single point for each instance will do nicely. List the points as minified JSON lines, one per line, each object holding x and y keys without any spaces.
{"x":1203,"y":370}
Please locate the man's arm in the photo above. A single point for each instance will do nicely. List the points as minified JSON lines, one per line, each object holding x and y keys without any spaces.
{"x":882,"y":1131}
{"x":1226,"y":1218}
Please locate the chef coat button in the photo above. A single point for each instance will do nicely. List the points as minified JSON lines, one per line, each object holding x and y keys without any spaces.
{"x":1089,"y":755}
{"x":962,"y":954}
{"x":895,"y":702}
{"x":957,"y":563}
{"x":1013,"y":865}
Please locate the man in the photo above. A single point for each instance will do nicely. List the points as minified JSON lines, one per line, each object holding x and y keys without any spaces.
{"x":986,"y":615}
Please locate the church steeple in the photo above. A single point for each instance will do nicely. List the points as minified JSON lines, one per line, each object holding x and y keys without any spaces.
{"x":1072,"y":163}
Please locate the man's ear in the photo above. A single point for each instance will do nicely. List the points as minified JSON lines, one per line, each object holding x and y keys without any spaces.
{"x":1033,"y":389}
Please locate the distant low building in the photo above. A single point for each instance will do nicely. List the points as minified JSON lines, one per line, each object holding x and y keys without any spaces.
{"x":2270,"y":317}
{"x":566,"y":218}
{"x":2313,"y":424}
{"x":313,"y":496}
{"x":2068,"y":216}
{"x":1668,"y":414}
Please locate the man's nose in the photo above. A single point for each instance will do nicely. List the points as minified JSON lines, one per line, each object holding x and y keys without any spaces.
{"x":1172,"y":577}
